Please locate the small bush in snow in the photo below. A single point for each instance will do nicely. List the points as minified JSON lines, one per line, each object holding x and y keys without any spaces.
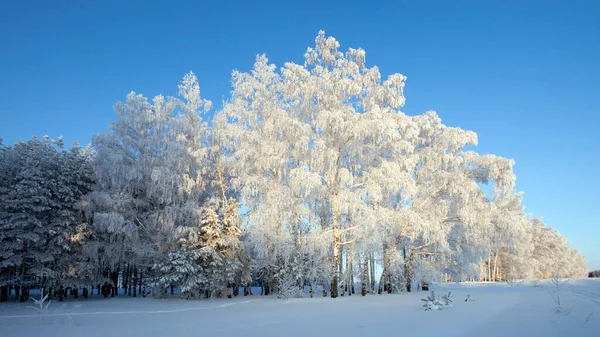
{"x":513,"y":281}
{"x":41,"y":306}
{"x":469,"y":298}
{"x":435,"y":302}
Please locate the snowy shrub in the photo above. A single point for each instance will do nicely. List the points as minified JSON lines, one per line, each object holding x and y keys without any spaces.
{"x":513,"y":281}
{"x":435,"y":302}
{"x":431,"y":302}
{"x":41,"y":306}
{"x":469,"y":298}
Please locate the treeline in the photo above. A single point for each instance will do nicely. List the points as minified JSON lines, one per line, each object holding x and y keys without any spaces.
{"x":310,"y":176}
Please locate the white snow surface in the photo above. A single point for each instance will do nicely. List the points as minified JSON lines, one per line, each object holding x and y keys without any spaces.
{"x":497,"y":310}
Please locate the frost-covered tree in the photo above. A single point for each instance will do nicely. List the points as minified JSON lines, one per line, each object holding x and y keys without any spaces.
{"x":43,"y":230}
{"x":151,"y":168}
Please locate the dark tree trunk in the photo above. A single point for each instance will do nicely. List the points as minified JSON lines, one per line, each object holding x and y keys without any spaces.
{"x":140,"y":285}
{"x":126,"y":279}
{"x":129,"y":278}
{"x":3,"y":294}
{"x":324,"y":289}
{"x":172,"y":290}
{"x":85,"y":292}
{"x":24,"y":294}
{"x":115,"y":281}
{"x":17,"y":293}
{"x":98,"y":289}
{"x":134,"y":283}
{"x":75,"y":291}
{"x":246,"y":286}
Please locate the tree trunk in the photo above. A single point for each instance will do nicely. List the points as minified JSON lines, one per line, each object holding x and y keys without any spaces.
{"x":365,"y":275}
{"x":350,"y":277}
{"x":382,"y":279}
{"x":75,"y":291}
{"x":172,"y":290}
{"x":495,"y":275}
{"x":342,"y":281}
{"x":236,"y":289}
{"x":4,"y":294}
{"x":85,"y":292}
{"x":408,"y":271}
{"x":115,"y":280}
{"x":140,"y":285}
{"x":129,"y":278}
{"x":126,"y":279}
{"x":134,"y":283}
{"x":372,"y":270}
{"x":490,"y":266}
{"x":336,"y":246}
{"x":24,"y":294}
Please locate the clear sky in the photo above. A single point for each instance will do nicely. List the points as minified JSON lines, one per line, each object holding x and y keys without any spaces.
{"x":524,"y":75}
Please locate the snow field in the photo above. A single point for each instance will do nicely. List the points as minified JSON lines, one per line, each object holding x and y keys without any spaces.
{"x":498,"y":310}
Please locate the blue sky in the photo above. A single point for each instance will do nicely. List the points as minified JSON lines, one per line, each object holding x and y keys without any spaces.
{"x":524,"y":75}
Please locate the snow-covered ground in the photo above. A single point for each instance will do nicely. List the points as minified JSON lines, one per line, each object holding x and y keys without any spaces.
{"x":498,"y":310}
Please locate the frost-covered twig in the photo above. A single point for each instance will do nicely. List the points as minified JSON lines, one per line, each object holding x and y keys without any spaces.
{"x":41,"y":304}
{"x":588,"y":318}
{"x":557,"y":292}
